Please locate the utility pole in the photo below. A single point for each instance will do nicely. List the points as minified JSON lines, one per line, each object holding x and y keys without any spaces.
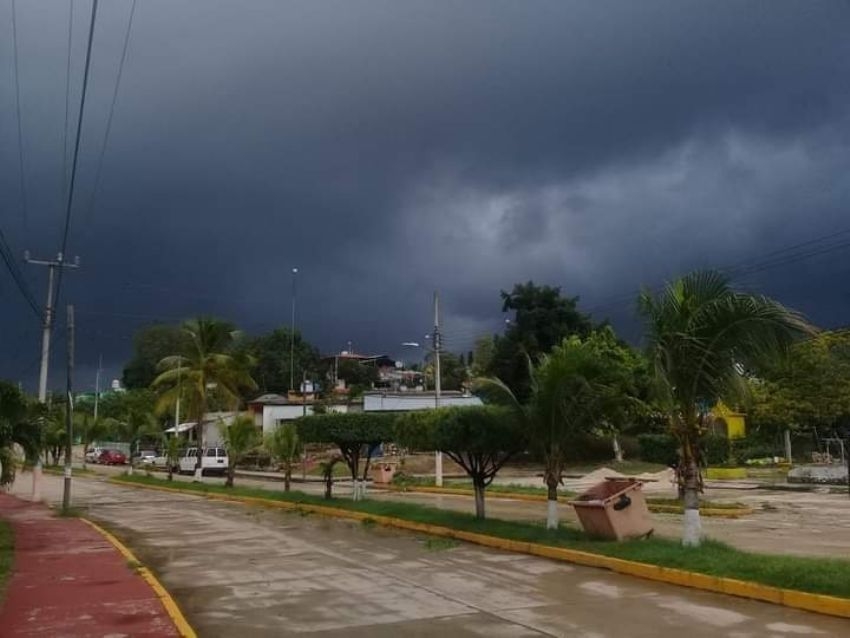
{"x":292,"y":337}
{"x":438,"y":460}
{"x":47,"y":328}
{"x":69,"y":412}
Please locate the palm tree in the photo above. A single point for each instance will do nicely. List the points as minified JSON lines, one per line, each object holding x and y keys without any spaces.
{"x":172,"y":447}
{"x":205,"y":370}
{"x":701,"y":336}
{"x":240,"y":437}
{"x":582,"y":384}
{"x":285,"y":446}
{"x":19,"y":425}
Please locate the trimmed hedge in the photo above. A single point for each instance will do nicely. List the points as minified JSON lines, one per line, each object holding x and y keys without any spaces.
{"x":658,"y":448}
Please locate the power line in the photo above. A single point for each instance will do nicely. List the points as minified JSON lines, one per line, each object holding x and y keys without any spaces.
{"x":99,"y":170}
{"x":24,"y":204}
{"x":9,"y":259}
{"x":68,"y":208}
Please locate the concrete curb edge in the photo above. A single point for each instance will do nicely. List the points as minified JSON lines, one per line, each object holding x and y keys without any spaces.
{"x":171,"y":608}
{"x":715,"y":512}
{"x":817,"y":603}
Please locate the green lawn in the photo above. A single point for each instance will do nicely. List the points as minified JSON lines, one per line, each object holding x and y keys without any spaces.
{"x":815,"y":575}
{"x":6,"y":549}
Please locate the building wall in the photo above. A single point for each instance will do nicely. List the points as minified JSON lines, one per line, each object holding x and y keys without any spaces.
{"x":272,"y":415}
{"x":410,"y":402}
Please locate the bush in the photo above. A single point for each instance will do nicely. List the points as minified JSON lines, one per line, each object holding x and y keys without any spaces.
{"x":658,"y":448}
{"x":715,"y":450}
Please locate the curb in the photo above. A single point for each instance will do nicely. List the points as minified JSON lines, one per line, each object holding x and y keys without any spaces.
{"x":817,"y":603}
{"x":714,"y":512}
{"x":181,"y":624}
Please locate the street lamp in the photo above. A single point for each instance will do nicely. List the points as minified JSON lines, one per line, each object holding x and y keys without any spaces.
{"x":292,"y":337}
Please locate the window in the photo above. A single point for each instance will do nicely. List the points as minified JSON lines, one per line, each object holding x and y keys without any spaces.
{"x":211,"y":451}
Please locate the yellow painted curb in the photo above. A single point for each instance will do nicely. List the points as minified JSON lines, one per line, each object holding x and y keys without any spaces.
{"x":658,"y":508}
{"x":817,"y":603}
{"x":181,"y":624}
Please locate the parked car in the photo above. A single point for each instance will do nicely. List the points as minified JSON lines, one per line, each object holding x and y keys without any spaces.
{"x":112,"y":457}
{"x":213,"y":461}
{"x":93,"y":454}
{"x":144,"y":457}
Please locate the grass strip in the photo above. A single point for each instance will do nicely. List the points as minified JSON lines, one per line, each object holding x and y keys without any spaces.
{"x":7,"y":549}
{"x":812,"y":575}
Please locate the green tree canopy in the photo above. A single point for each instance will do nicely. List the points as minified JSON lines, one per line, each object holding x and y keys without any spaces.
{"x":808,"y":389}
{"x":151,"y":345}
{"x":19,"y":425}
{"x":542,"y":318}
{"x":240,"y":437}
{"x":479,"y":439}
{"x":356,"y":434}
{"x":271,"y":353}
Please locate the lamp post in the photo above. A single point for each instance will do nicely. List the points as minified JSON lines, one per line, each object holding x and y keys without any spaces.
{"x":292,"y":337}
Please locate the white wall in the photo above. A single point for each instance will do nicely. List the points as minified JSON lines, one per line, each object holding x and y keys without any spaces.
{"x":408,"y":402}
{"x":274,"y":414}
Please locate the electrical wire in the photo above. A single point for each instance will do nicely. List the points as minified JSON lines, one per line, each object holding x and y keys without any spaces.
{"x":68,"y":208}
{"x":67,"y":99}
{"x":9,"y":259}
{"x":99,"y":169}
{"x":24,"y":203}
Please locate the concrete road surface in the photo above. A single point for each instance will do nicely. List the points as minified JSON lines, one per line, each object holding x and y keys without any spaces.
{"x":245,"y":571}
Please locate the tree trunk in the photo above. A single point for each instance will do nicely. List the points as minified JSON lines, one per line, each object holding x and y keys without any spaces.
{"x":170,"y":471}
{"x":552,"y":504}
{"x":618,"y":451}
{"x":287,"y":478}
{"x":479,"y":501}
{"x":231,"y":471}
{"x":692,"y":530}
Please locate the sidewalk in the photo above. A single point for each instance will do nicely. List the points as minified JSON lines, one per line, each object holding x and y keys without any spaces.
{"x":68,"y":580}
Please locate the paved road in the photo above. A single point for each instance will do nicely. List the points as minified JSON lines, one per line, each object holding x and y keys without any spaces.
{"x":801,"y":523}
{"x":243,"y":571}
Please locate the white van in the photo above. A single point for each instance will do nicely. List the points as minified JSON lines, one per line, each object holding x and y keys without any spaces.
{"x":213,"y":461}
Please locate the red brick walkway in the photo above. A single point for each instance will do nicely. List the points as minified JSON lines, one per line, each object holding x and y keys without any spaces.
{"x":68,"y":580}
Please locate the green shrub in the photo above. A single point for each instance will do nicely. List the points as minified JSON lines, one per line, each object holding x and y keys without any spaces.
{"x":715,"y":450}
{"x":658,"y":448}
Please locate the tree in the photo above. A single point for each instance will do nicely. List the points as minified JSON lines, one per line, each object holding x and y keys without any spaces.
{"x":358,"y":376}
{"x":581,"y":386}
{"x":240,"y":438}
{"x":481,"y":358}
{"x":18,"y":426}
{"x":134,"y":418}
{"x":453,"y":374}
{"x":150,"y":346}
{"x":701,"y":335}
{"x":542,"y":318}
{"x":91,"y":429}
{"x":173,"y":447}
{"x":271,"y":353}
{"x":202,"y":371}
{"x":356,"y":434}
{"x":284,"y":445}
{"x":480,"y":439}
{"x":807,"y":390}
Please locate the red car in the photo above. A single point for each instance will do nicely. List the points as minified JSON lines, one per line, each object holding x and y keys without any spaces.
{"x":112,"y":457}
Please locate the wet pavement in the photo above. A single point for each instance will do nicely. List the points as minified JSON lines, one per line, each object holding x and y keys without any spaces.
{"x":246,"y":571}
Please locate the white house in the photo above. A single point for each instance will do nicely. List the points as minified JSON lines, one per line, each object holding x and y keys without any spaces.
{"x":212,"y":427}
{"x":409,"y":401}
{"x":270,"y":410}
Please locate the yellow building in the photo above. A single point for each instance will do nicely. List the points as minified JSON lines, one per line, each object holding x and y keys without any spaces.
{"x":727,"y":422}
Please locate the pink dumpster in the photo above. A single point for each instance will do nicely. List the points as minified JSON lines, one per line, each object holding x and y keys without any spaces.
{"x":614,"y":509}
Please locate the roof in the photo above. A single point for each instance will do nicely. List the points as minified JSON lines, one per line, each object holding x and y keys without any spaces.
{"x":270,"y":399}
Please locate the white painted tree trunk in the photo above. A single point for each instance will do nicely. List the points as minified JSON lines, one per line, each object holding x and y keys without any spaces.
{"x":199,"y":474}
{"x":130,"y":469}
{"x":692,"y":531}
{"x":552,"y":514}
{"x":618,"y":451}
{"x":36,"y":481}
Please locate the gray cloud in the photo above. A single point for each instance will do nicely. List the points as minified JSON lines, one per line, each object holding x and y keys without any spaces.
{"x":389,"y":150}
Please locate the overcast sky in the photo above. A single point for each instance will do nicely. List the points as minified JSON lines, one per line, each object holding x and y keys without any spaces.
{"x":388,"y":149}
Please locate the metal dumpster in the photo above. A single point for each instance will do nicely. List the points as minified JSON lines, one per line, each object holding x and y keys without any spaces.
{"x":614,"y":509}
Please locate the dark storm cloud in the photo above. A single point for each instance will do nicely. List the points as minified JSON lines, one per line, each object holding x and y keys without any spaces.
{"x":391,"y":149}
